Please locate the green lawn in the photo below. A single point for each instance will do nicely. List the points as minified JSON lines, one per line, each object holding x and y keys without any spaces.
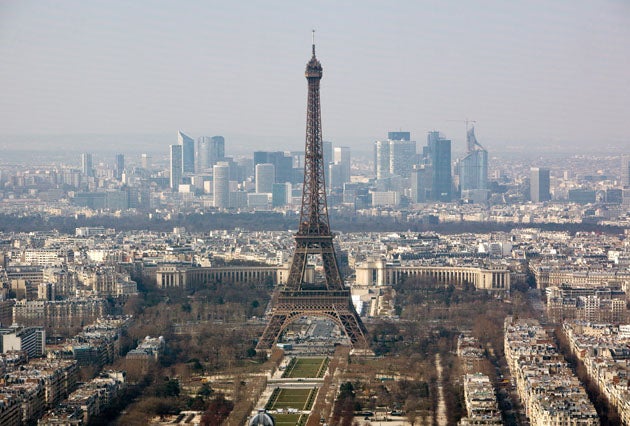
{"x":292,"y":398}
{"x":306,"y":368}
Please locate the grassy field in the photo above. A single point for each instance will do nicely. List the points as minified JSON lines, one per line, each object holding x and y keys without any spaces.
{"x":300,"y":399}
{"x":306,"y":368}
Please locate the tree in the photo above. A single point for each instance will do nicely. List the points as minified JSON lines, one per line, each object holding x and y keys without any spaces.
{"x":218,"y":410}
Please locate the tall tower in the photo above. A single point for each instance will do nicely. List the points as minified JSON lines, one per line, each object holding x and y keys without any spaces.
{"x":402,"y":155}
{"x":341,"y":155}
{"x":625,"y":171}
{"x":86,"y":164}
{"x":326,"y":296}
{"x":210,"y":150}
{"x":175,"y":166}
{"x":120,"y":165}
{"x":473,"y":169}
{"x":439,"y":156}
{"x":381,"y":159}
{"x":539,"y":185}
{"x":265,"y":177}
{"x":188,"y":152}
{"x":221,"y":184}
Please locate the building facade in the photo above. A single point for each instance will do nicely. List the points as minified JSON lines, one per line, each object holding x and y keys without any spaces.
{"x":438,"y":154}
{"x":539,"y":185}
{"x":188,"y":152}
{"x":221,"y":185}
{"x":176,"y":171}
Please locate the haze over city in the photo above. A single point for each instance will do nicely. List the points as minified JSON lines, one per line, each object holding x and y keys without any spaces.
{"x":420,"y":216}
{"x":546,"y":75}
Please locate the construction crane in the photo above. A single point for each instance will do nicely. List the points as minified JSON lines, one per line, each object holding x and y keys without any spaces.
{"x":464,"y":121}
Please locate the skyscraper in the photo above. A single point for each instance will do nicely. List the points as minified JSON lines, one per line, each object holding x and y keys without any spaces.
{"x":381,"y":159}
{"x":283,"y":164}
{"x":188,"y":152}
{"x":221,"y":184}
{"x":438,"y":156}
{"x":327,"y":153}
{"x":335,"y":176}
{"x":420,"y":184}
{"x":217,"y":149}
{"x":145,"y":161}
{"x":539,"y":186}
{"x":341,"y":155}
{"x":265,"y":177}
{"x":280,"y":194}
{"x":399,"y":136}
{"x":86,"y":164}
{"x":625,"y":171}
{"x":175,"y":166}
{"x":202,"y":155}
{"x":473,"y":168}
{"x":120,"y":165}
{"x":210,"y":150}
{"x":402,"y":156}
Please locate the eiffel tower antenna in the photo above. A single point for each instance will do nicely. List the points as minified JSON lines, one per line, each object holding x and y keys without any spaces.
{"x":298,"y":297}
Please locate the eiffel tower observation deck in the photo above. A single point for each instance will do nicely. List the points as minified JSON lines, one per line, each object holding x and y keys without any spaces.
{"x":327,"y":296}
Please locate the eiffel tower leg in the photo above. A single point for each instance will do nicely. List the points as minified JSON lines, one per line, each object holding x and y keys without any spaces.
{"x":272,"y":331}
{"x":297,"y":266}
{"x":331,"y":269}
{"x":354,"y":328}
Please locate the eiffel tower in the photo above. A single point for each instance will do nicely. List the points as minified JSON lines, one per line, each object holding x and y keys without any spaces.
{"x":298,"y":298}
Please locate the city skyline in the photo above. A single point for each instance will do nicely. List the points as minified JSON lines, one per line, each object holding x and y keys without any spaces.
{"x":526,"y":73}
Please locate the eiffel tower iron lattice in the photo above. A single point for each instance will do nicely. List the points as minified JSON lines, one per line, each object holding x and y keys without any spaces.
{"x":298,"y":298}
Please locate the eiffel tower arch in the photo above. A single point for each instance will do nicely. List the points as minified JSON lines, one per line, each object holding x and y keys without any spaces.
{"x":328,"y":298}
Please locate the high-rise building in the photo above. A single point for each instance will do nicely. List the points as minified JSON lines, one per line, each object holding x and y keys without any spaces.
{"x":210,"y":150}
{"x":188,"y":152}
{"x":420,"y":184}
{"x":120,"y":165}
{"x":327,"y":153}
{"x":203,"y":153}
{"x":335,"y":176}
{"x":86,"y":164}
{"x":176,"y":166}
{"x":625,"y":171}
{"x":399,"y":136}
{"x":341,"y":155}
{"x":395,"y":156}
{"x":438,"y":156}
{"x":145,"y":161}
{"x":539,"y":185}
{"x":473,"y":168}
{"x":283,"y":164}
{"x":221,"y":184}
{"x":402,"y":156}
{"x":265,"y":177}
{"x":381,"y":159}
{"x":280,"y":194}
{"x":246,"y":168}
{"x":31,"y":340}
{"x":217,"y":149}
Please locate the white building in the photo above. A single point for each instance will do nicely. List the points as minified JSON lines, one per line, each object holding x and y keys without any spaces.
{"x":31,"y":340}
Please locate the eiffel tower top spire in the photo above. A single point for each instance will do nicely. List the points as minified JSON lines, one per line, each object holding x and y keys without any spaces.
{"x":314,"y":211}
{"x":313,"y":67}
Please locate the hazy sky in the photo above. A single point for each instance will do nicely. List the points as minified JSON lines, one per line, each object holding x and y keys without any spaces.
{"x":550,"y":73}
